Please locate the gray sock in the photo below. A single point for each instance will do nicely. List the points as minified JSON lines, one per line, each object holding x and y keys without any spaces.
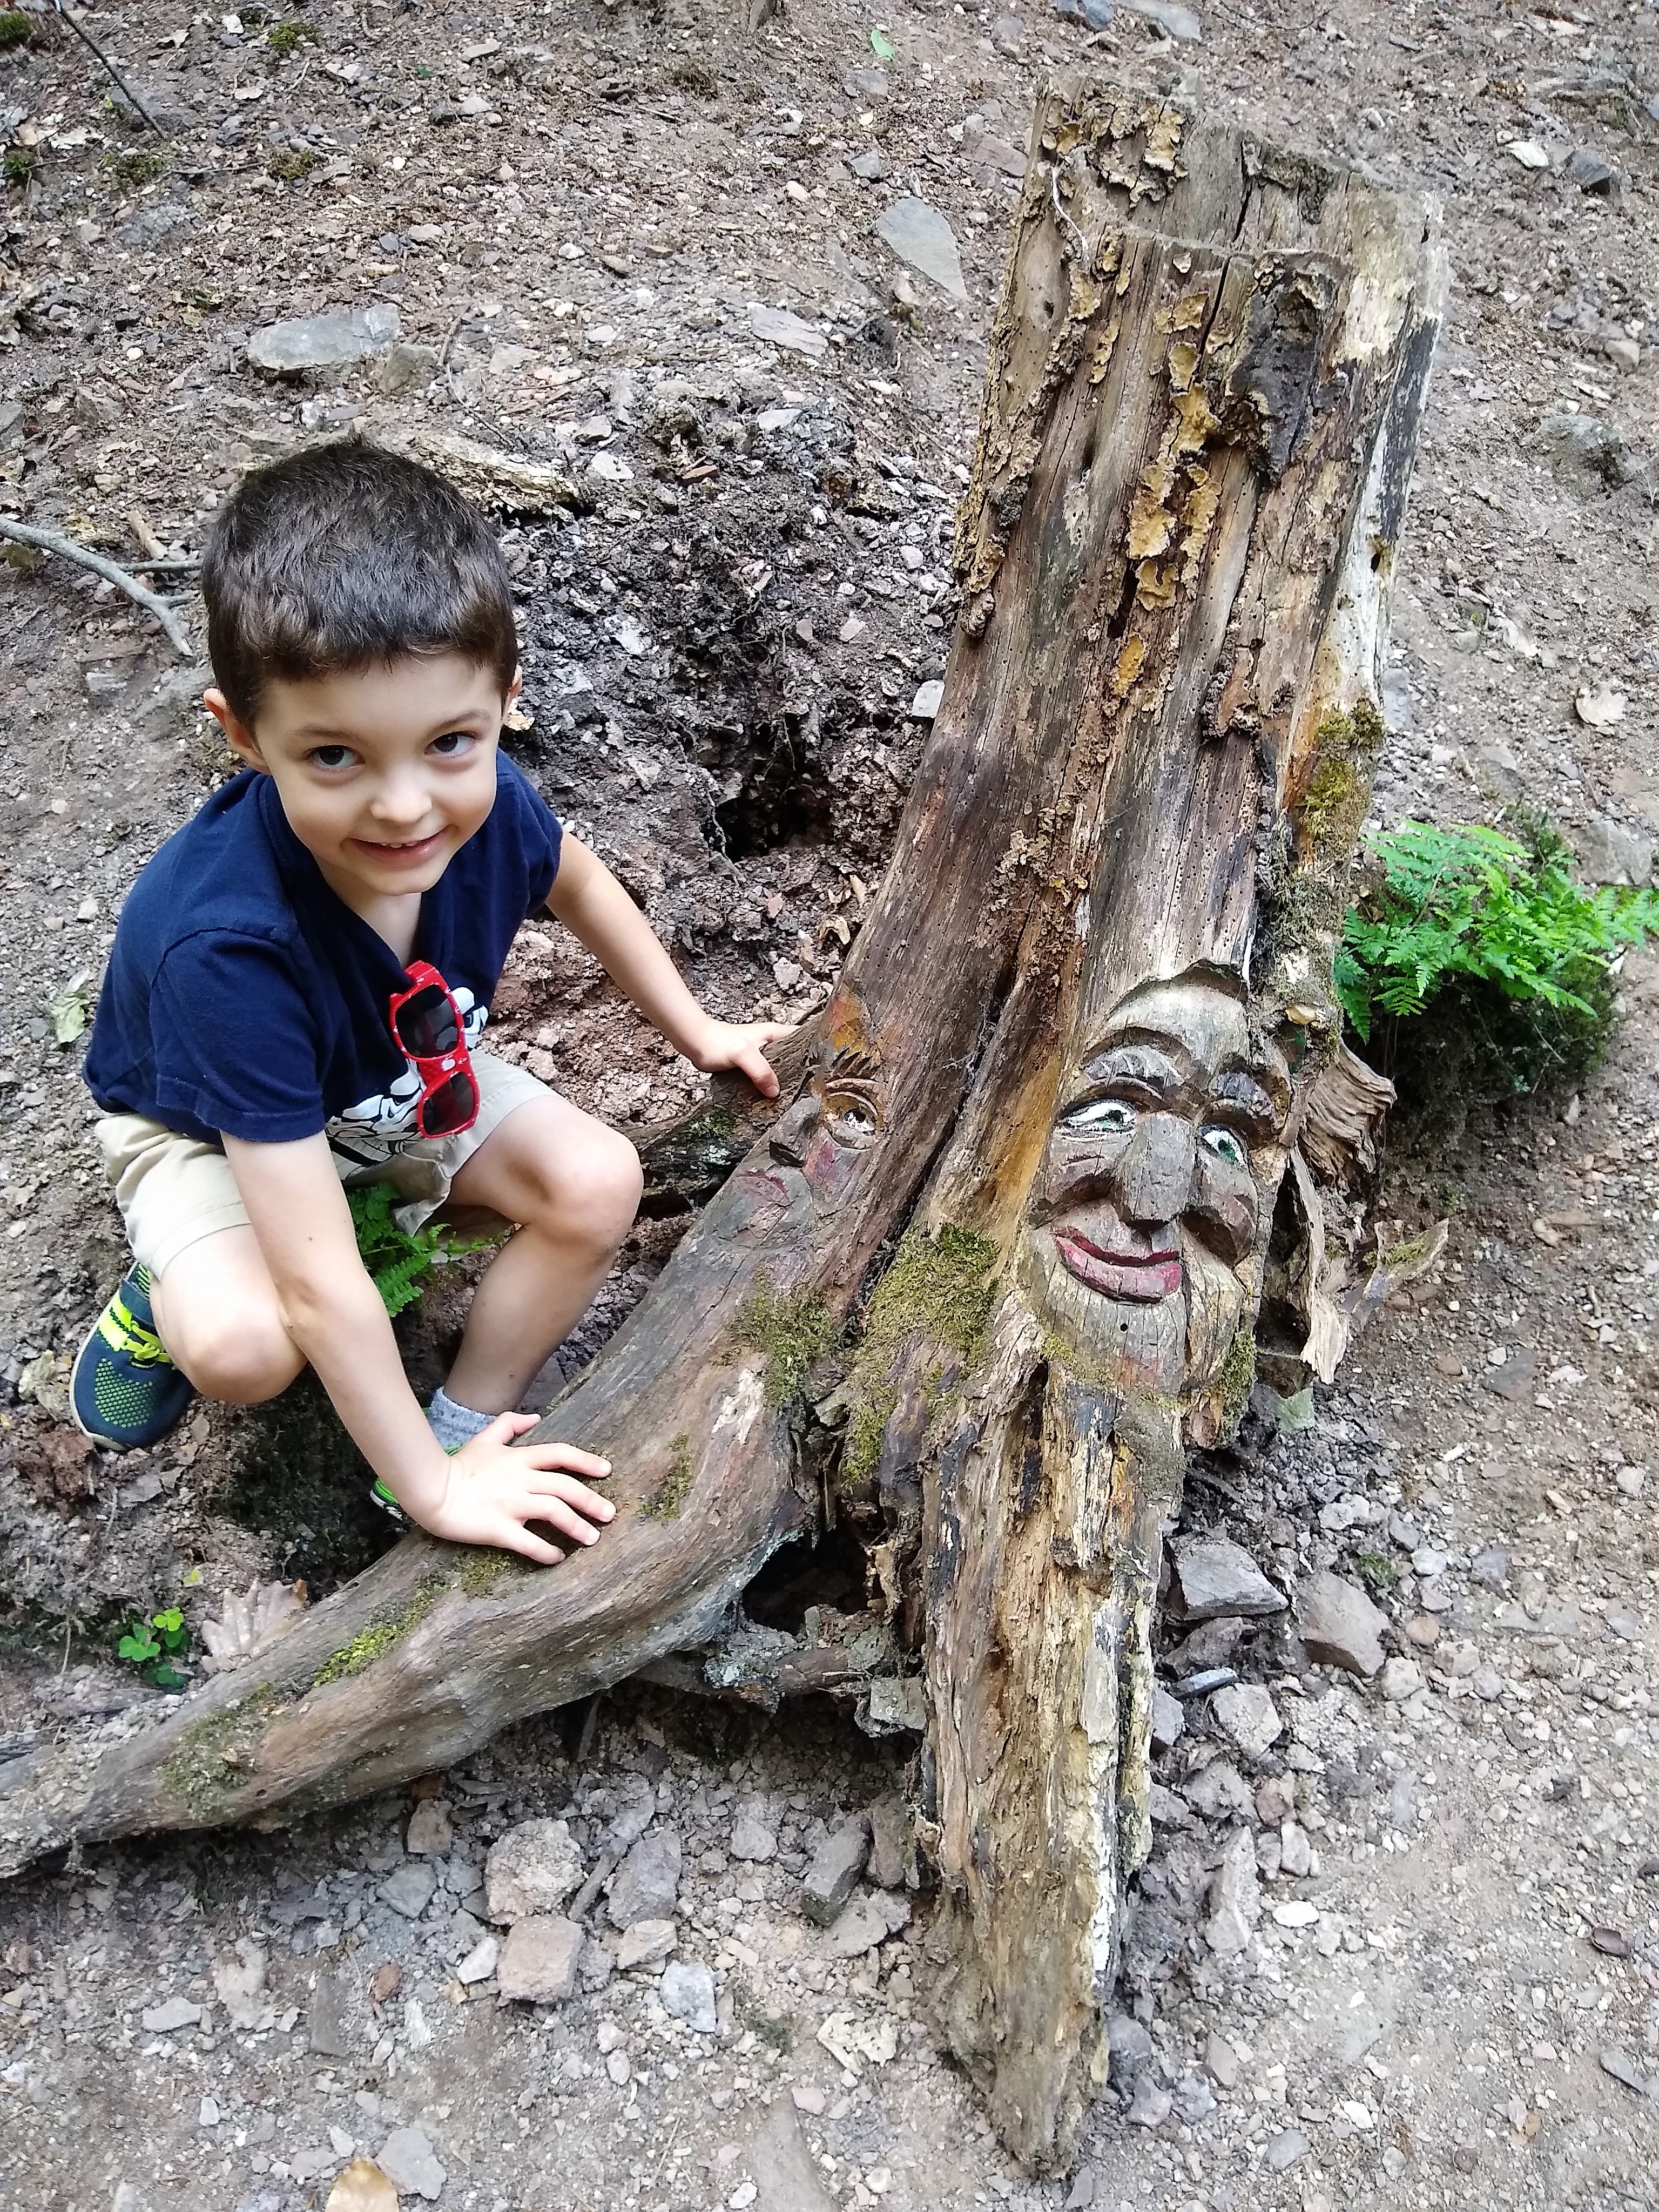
{"x":452,"y":1424}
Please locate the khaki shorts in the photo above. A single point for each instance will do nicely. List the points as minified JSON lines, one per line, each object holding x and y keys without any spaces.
{"x":173,"y":1191}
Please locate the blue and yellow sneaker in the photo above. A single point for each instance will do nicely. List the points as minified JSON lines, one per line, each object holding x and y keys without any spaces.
{"x":124,"y":1390}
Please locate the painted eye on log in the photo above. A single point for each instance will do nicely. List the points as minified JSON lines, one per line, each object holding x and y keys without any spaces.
{"x":852,"y":1120}
{"x":1225,"y":1146}
{"x":1101,"y":1117}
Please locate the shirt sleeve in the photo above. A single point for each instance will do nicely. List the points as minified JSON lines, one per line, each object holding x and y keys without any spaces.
{"x":539,"y":834}
{"x":235,"y":1045}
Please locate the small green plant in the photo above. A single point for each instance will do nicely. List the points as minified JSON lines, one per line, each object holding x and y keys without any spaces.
{"x":1377,"y":1571}
{"x":396,"y":1262}
{"x":128,"y":170}
{"x":15,"y":27}
{"x":1488,"y":933}
{"x":292,"y":163}
{"x":17,"y":165}
{"x":153,"y":1642}
{"x":286,"y":39}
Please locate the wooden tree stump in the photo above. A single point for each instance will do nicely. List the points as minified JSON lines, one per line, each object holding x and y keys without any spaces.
{"x":999,"y":1255}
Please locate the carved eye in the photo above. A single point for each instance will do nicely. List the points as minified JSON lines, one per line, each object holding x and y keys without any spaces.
{"x":852,"y":1120}
{"x":1101,"y":1117}
{"x":1225,"y":1146}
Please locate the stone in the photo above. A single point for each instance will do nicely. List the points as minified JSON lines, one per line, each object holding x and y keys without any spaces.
{"x":1490,"y":1566}
{"x":1593,"y":174}
{"x":782,"y":328}
{"x":1610,"y":853}
{"x":1221,"y":2062}
{"x":989,"y":152}
{"x":1631,"y":1481}
{"x":1401,"y":1679}
{"x":865,"y":83}
{"x":870,"y":167}
{"x":1195,"y":2101}
{"x":531,"y":1870}
{"x":1275,"y":1800}
{"x":173,"y":2014}
{"x":1235,"y":1897}
{"x":1339,"y":1625}
{"x":889,"y":1845}
{"x":1218,"y":1791}
{"x":1247,"y":1715}
{"x":1295,"y":1851}
{"x":1528,"y":153}
{"x":1589,"y":450}
{"x":480,"y":1962}
{"x":1499,"y":775}
{"x":1149,"y":2107}
{"x":409,"y":1890}
{"x":688,"y":1994}
{"x":866,"y":1922}
{"x":924,"y":241}
{"x":408,"y":368}
{"x":431,"y":1829}
{"x":1487,"y":1684}
{"x":1169,"y":1718}
{"x":754,"y":1832}
{"x":1008,"y":36}
{"x":314,"y":342}
{"x":410,"y":2164}
{"x":239,"y":1982}
{"x":646,"y":1943}
{"x":781,"y":2167}
{"x":508,"y":480}
{"x":1623,"y":2068}
{"x":1624,"y":353}
{"x":325,"y":2027}
{"x":1179,"y":22}
{"x":1286,"y":2147}
{"x":1130,"y":2050}
{"x":927,"y":701}
{"x":538,"y":1962}
{"x":1211,"y":1644}
{"x":648,"y":1883}
{"x":837,"y":1865}
{"x":1212,"y":1576}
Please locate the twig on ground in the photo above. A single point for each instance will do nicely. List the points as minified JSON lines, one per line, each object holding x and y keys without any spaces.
{"x":122,"y":86}
{"x":53,"y":541}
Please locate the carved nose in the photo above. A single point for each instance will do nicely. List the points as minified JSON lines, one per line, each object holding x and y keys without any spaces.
{"x":1154,"y":1175}
{"x":788,"y":1141}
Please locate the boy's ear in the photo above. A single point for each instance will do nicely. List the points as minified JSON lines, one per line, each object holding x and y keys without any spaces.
{"x":238,"y":736}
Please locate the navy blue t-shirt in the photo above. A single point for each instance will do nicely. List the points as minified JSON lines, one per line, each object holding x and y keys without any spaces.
{"x":245,"y":997}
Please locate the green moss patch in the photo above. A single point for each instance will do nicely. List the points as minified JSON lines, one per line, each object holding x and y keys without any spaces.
{"x":793,"y":1331}
{"x":671,"y":1493}
{"x":15,"y":27}
{"x":374,"y":1641}
{"x":215,"y":1754}
{"x":939,"y":1291}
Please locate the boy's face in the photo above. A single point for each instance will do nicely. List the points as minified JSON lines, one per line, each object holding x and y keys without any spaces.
{"x":384,"y":773}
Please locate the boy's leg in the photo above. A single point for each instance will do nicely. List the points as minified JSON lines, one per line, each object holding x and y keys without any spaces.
{"x":574,"y":1186}
{"x":216,"y":1311}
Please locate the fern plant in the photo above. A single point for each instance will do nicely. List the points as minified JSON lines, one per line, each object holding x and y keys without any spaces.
{"x":1489,"y":933}
{"x":399,"y":1261}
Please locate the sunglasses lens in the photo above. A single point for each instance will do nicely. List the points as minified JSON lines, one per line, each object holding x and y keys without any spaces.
{"x":425,"y":1024}
{"x":452,"y":1106}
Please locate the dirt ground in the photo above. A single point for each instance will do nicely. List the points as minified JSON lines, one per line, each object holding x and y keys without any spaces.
{"x":587,"y":219}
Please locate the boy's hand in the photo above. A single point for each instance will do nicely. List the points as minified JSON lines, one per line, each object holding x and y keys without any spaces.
{"x":493,"y":1490}
{"x":740,"y":1044}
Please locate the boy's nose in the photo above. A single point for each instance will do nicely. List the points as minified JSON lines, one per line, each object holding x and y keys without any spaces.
{"x":401,"y":803}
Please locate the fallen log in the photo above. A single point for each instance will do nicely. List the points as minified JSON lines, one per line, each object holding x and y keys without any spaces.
{"x":997,"y":1258}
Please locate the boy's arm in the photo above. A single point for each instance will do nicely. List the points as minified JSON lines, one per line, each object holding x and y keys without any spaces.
{"x":487,"y":1492}
{"x":587,"y":898}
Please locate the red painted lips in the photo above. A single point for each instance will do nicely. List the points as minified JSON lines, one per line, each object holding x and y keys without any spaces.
{"x":1144,"y":1277}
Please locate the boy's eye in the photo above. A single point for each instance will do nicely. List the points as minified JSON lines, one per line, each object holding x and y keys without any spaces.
{"x":332,"y":756}
{"x":452,"y":743}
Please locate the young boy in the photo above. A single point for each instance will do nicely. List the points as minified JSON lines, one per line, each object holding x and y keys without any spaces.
{"x":296,"y":992}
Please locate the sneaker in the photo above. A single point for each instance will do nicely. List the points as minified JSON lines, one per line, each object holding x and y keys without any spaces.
{"x":380,"y":1496}
{"x":124,"y":1389}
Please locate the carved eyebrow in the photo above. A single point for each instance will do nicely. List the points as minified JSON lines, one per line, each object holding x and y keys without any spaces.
{"x":1143,"y":1063}
{"x":851,"y":1062}
{"x":1246,"y":1096}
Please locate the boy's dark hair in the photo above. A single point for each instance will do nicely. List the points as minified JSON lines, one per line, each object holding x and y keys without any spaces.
{"x":344,"y":556}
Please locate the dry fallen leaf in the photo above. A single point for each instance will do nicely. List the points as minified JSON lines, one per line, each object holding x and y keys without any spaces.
{"x":251,"y":1624}
{"x":1600,"y":707}
{"x":362,"y":2187}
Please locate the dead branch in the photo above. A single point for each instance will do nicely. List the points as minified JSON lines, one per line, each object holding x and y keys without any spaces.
{"x":53,"y":541}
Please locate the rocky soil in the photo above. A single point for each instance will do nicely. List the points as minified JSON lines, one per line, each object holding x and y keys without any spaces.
{"x":620,"y":268}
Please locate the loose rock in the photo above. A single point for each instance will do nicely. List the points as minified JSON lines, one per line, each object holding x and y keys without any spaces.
{"x":688,"y":1994}
{"x":648,"y":1883}
{"x":836,"y":1865}
{"x":1213,"y":1576}
{"x":1235,"y":1897}
{"x":889,"y":1845}
{"x":314,"y":342}
{"x":1247,"y":1715}
{"x":431,"y":1829}
{"x":921,"y":238}
{"x":1339,"y":1625}
{"x":409,"y":1890}
{"x":646,"y":1943}
{"x":532,"y":1870}
{"x":538,"y":1962}
{"x":410,"y":2164}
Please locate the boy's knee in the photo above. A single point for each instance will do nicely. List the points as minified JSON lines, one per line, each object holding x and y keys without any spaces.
{"x":598,"y":1191}
{"x":241,"y":1359}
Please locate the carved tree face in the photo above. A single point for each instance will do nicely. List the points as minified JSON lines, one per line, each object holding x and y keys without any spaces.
{"x":815,"y":1149}
{"x":1149,"y":1218}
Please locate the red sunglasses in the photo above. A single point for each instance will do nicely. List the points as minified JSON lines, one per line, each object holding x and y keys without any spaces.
{"x":426,"y":1023}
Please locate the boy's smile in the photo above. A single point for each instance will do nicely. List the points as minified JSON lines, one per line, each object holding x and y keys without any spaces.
{"x":383,"y":772}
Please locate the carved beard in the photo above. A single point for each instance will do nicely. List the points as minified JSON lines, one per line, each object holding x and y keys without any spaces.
{"x":1174,"y":1348}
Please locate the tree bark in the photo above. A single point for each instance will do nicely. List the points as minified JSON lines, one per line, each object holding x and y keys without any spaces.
{"x":999,"y":1255}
